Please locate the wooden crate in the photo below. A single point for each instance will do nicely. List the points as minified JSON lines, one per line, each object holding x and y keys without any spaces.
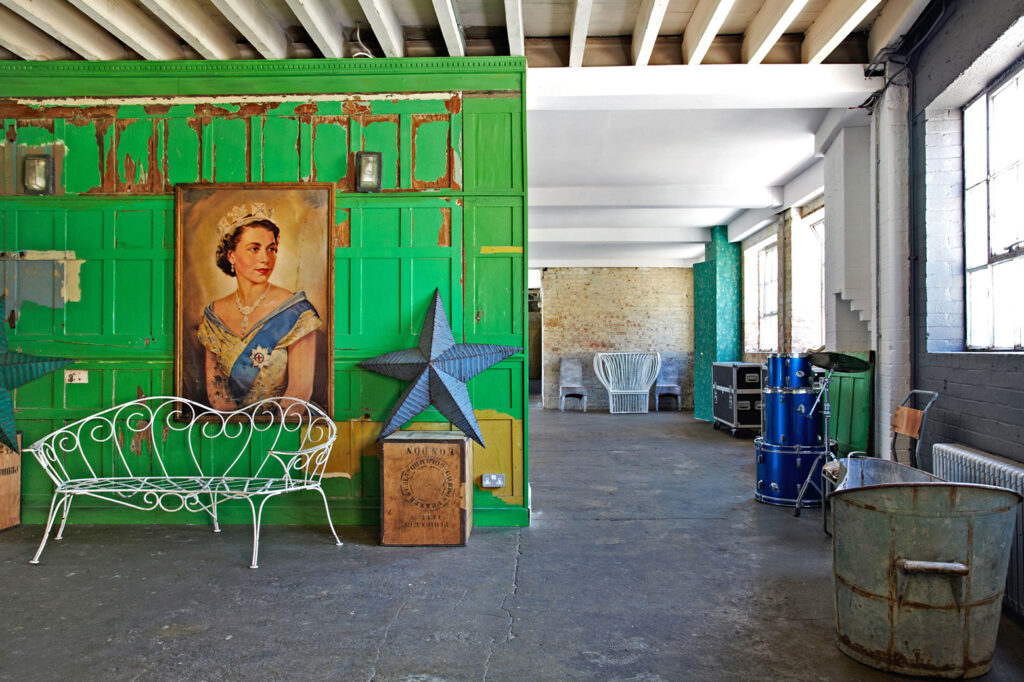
{"x":426,"y":488}
{"x":10,"y":486}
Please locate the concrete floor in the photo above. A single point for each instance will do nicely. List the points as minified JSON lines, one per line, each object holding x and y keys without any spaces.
{"x":647,"y":559}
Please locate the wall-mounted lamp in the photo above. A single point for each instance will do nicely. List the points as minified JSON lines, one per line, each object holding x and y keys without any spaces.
{"x":37,"y":174}
{"x":368,"y":171}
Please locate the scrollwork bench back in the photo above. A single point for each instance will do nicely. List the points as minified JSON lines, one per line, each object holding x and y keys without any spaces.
{"x":170,"y":453}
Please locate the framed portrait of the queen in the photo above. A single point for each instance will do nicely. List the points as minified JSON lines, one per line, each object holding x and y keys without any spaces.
{"x":254,"y":290}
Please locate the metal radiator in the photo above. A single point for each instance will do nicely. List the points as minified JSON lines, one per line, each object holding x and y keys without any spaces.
{"x":962,"y":464}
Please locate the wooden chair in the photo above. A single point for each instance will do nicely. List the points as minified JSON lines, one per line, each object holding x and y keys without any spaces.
{"x":570,"y":382}
{"x":909,"y":422}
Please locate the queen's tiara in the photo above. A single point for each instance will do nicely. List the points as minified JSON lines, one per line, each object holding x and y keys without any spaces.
{"x":243,"y":214}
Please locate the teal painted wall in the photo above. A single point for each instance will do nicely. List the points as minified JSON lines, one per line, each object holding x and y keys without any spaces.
{"x":718,"y":293}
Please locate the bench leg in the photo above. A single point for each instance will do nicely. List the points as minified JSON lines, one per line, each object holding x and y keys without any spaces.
{"x":257,"y":516}
{"x":330,"y":523}
{"x":213,"y":512}
{"x":64,"y":517}
{"x":54,"y":506}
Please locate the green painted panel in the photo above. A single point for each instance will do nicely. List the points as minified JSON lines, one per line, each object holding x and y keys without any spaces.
{"x":378,"y":227}
{"x":499,"y":388}
{"x":230,"y":149}
{"x":429,"y":274}
{"x":89,"y":394}
{"x":40,"y":392}
{"x":133,"y":230}
{"x":133,"y":282}
{"x":85,"y":229}
{"x":342,"y":286}
{"x":330,"y":149}
{"x":87,"y":316}
{"x":380,"y":304}
{"x":36,"y":230}
{"x":431,"y":226}
{"x":34,"y":133}
{"x":382,"y":136}
{"x":495,"y":312}
{"x":851,"y":398}
{"x":430,"y":151}
{"x":82,"y":161}
{"x":280,"y":149}
{"x":182,"y":150}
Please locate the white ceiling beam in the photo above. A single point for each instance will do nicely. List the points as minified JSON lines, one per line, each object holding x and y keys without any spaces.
{"x":767,"y":27}
{"x":751,"y":222}
{"x":578,"y":33}
{"x":645,"y":32}
{"x":514,"y":26}
{"x":658,"y":196}
{"x":615,"y":255}
{"x":69,"y":27}
{"x":27,"y":41}
{"x":386,"y":26}
{"x":451,"y":28}
{"x":258,"y":27}
{"x":832,"y":26}
{"x":707,"y":18}
{"x":575,"y":217}
{"x":133,"y":27}
{"x":834,"y":122}
{"x":621,"y":235}
{"x":893,"y":23}
{"x":322,"y":24}
{"x":195,"y":27}
{"x":704,"y":86}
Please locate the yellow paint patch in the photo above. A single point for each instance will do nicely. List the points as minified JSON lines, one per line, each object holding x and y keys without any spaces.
{"x":501,"y":249}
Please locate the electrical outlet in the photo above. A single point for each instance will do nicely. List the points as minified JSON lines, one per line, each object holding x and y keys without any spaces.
{"x":76,"y":376}
{"x":493,"y":481}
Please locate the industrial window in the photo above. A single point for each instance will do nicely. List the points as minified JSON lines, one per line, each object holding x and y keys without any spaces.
{"x":993,"y":140}
{"x":761,"y":304}
{"x":808,"y":277}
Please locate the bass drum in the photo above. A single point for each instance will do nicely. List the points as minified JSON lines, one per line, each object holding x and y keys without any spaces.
{"x":781,"y":470}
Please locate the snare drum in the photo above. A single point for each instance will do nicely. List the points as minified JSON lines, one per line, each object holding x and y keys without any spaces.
{"x":785,"y":416}
{"x":789,"y":370}
{"x":782,"y":470}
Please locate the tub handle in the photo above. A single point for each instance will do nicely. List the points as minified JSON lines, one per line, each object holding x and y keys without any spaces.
{"x":950,"y":568}
{"x":954,"y":570}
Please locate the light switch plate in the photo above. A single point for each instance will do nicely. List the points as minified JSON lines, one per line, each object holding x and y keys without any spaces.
{"x":76,"y":376}
{"x":493,"y":481}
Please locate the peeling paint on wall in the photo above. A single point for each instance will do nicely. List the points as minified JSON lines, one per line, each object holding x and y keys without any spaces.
{"x":40,"y":274}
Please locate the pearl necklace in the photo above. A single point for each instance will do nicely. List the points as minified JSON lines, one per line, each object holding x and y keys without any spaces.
{"x":247,"y":310}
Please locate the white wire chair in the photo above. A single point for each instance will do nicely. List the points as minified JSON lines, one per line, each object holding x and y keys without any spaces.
{"x":628,"y":378}
{"x":169,"y":453}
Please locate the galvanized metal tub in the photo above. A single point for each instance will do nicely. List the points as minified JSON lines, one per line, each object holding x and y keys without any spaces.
{"x":919,"y":573}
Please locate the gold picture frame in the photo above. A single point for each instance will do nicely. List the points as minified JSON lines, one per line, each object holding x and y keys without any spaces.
{"x":254,"y":305}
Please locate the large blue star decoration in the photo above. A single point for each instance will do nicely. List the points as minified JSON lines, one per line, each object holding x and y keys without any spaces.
{"x":438,"y":369}
{"x":17,"y":369}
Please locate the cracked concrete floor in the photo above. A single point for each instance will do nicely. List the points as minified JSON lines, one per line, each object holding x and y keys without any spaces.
{"x":647,"y":559}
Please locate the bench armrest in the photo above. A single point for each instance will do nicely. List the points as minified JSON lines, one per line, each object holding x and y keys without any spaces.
{"x":289,"y":459}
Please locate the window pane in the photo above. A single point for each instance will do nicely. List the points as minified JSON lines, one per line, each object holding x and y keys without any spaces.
{"x":1007,"y":278}
{"x":751,"y":341}
{"x":1004,"y":127}
{"x":979,"y":309}
{"x":1005,"y":206}
{"x":770,"y":332}
{"x":975,"y":143}
{"x":976,"y":226}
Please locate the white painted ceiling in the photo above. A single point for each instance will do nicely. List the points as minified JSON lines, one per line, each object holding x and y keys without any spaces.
{"x":716,"y":116}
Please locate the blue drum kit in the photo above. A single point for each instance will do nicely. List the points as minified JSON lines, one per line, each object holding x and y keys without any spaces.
{"x":794,"y":439}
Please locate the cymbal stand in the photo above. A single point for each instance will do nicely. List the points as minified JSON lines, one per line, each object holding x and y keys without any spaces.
{"x":827,"y":452}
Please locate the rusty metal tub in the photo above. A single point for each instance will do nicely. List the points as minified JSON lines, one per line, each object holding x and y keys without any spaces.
{"x":919,"y":572}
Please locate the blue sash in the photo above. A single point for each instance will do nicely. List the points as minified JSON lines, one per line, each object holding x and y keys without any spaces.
{"x":244,"y":372}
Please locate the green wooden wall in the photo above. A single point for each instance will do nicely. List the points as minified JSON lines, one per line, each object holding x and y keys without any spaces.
{"x":89,"y":272}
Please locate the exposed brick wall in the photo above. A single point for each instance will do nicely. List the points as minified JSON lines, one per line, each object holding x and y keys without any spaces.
{"x":592,"y":310}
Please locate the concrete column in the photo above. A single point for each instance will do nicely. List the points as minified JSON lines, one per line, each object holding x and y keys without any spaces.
{"x":891,"y":167}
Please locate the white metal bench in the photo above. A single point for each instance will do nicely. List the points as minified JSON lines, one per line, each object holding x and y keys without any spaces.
{"x":627,"y":377}
{"x":171,"y":454}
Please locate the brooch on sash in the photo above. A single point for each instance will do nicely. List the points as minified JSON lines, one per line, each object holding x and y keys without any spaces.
{"x":260,"y":357}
